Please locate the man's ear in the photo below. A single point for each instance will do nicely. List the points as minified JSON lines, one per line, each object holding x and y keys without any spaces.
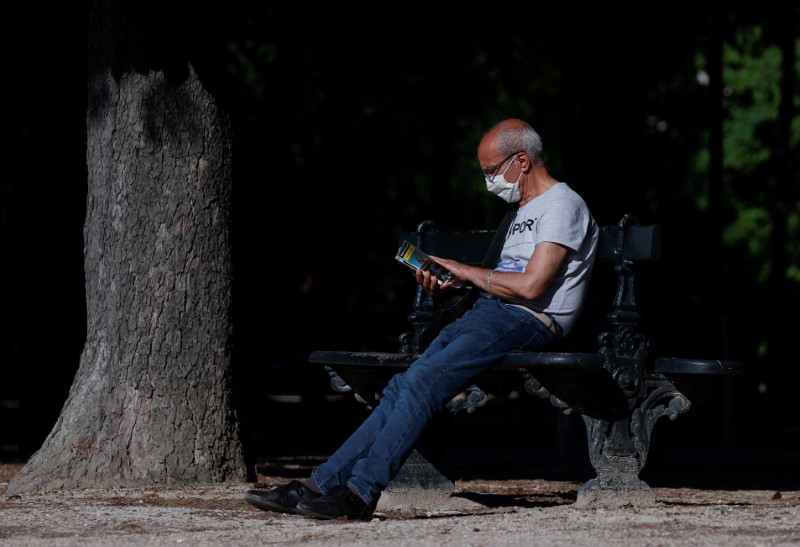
{"x":525,"y":163}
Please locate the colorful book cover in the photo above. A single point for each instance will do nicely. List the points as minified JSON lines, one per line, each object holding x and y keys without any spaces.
{"x":415,"y":258}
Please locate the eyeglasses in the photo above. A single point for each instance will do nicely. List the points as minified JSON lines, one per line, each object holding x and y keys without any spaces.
{"x":492,"y":171}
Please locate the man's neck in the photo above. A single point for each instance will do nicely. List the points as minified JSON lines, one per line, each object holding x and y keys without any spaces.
{"x":537,"y":183}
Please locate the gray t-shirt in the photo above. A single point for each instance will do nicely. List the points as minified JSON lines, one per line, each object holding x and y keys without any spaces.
{"x":560,"y":216}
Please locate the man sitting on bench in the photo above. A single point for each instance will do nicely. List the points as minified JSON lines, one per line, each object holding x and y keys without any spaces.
{"x":530,"y":298}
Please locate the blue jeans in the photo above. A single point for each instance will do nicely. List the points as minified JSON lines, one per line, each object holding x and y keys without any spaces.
{"x":369,"y":459}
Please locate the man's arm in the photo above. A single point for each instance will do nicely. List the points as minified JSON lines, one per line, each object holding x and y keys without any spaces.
{"x":543,"y":266}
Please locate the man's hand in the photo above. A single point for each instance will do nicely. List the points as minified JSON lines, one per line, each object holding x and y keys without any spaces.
{"x":460,"y":271}
{"x":430,"y":282}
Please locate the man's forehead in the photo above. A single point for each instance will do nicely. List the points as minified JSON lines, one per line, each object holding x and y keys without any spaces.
{"x":488,"y":145}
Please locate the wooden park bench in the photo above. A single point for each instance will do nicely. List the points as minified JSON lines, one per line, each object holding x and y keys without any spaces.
{"x":619,"y":389}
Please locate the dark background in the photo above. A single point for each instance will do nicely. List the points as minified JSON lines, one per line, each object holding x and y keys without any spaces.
{"x":352,"y":125}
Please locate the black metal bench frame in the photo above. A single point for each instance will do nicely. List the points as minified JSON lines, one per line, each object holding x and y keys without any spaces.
{"x":620,"y":391}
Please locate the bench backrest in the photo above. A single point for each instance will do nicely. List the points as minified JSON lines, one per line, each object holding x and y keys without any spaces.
{"x":625,"y":243}
{"x":469,"y":246}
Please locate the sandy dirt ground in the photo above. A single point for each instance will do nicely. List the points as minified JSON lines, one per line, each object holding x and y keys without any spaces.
{"x":479,"y":512}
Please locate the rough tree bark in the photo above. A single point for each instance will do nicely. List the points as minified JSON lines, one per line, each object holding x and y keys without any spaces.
{"x":152,"y":401}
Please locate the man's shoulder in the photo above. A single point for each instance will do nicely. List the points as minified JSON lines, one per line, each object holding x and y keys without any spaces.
{"x":564,"y":198}
{"x":564,"y":189}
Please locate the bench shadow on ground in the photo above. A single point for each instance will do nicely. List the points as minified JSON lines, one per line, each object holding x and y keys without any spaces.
{"x":528,"y":501}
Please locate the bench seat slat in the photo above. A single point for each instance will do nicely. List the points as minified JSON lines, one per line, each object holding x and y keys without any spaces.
{"x":361,"y":358}
{"x":517,"y":359}
{"x":675,"y":365}
{"x":553,"y":359}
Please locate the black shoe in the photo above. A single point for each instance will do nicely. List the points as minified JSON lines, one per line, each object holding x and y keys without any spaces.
{"x":339,"y":502}
{"x":283,"y":499}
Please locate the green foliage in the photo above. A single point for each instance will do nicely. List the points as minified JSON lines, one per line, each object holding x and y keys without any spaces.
{"x":750,"y":232}
{"x":751,"y":77}
{"x":754,"y":176}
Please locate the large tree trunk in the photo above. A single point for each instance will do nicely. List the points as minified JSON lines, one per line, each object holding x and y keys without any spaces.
{"x":151,"y":403}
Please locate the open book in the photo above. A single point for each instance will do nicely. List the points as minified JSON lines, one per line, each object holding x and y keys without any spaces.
{"x":415,"y":258}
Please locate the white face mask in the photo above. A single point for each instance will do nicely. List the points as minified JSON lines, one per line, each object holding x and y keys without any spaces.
{"x":500,"y":187}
